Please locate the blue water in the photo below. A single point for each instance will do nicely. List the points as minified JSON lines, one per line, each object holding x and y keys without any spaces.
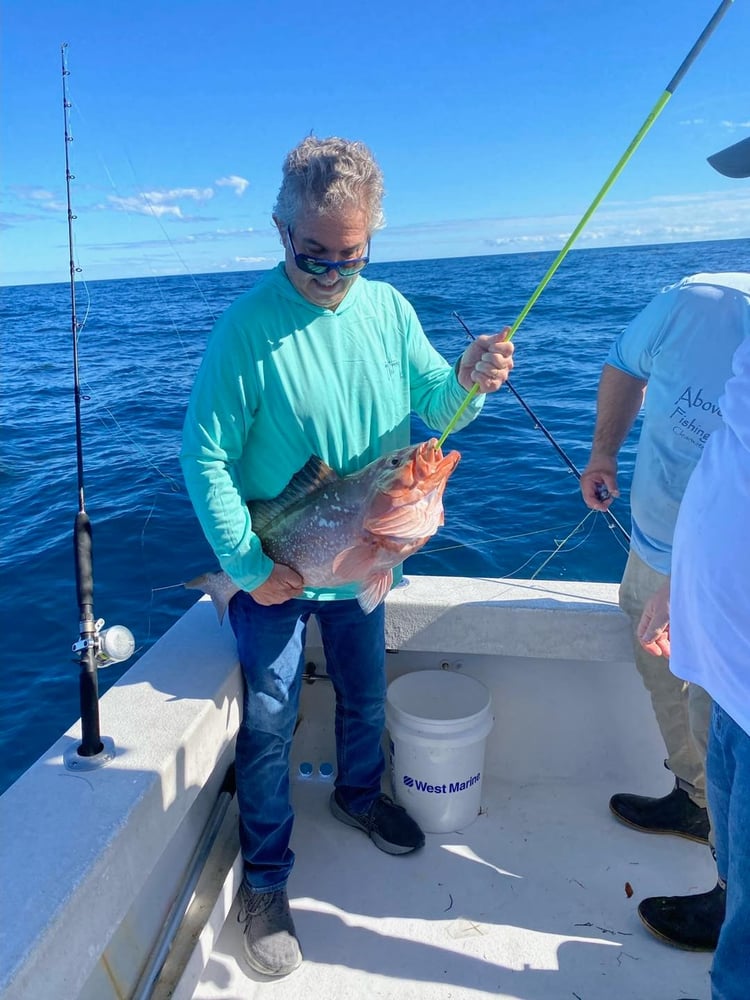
{"x":509,"y":506}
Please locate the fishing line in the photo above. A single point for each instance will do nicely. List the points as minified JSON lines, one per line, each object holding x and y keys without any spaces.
{"x":458,"y":545}
{"x":92,"y":393}
{"x":82,"y":324}
{"x":561,"y":544}
{"x":608,"y":515}
{"x":551,"y":552}
{"x":175,"y":486}
{"x":155,"y":216}
{"x":616,"y":171}
{"x":103,"y":411}
{"x":494,"y":538}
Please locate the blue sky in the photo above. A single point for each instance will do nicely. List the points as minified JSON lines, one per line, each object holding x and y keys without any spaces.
{"x":495,"y":122}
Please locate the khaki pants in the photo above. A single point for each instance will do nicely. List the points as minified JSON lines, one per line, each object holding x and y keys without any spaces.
{"x":683,"y":711}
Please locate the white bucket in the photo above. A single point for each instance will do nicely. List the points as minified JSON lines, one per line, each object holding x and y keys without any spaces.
{"x":438,"y":723}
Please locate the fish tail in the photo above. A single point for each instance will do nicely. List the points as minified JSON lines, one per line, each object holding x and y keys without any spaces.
{"x":219,"y":588}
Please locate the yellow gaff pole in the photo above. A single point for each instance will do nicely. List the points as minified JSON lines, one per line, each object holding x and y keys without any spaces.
{"x":638,"y":138}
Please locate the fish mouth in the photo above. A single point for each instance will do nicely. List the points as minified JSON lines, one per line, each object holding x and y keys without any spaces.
{"x":426,"y":470}
{"x":431,"y":466}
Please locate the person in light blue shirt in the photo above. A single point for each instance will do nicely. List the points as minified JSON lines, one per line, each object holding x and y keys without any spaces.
{"x":704,"y":628}
{"x":672,"y":361}
{"x":315,"y":360}
{"x":680,"y":346}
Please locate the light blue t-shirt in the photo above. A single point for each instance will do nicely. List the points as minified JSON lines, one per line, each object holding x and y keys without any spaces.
{"x":283,"y":379}
{"x":682,"y":343}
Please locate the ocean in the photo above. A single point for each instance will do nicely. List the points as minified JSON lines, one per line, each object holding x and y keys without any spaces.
{"x":512,"y":507}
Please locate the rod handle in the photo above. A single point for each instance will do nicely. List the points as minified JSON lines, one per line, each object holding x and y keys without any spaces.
{"x":82,"y":544}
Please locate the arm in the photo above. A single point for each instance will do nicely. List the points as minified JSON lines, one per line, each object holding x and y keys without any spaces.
{"x":226,"y":521}
{"x":619,"y":399}
{"x":215,"y":432}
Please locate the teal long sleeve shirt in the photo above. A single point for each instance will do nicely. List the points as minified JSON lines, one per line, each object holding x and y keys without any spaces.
{"x":282,"y":379}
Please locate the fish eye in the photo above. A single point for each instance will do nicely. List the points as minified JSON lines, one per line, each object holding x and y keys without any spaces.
{"x":395,"y":462}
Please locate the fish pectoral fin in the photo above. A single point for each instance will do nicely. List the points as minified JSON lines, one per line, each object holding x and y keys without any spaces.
{"x":375,"y":591}
{"x":353,"y":563}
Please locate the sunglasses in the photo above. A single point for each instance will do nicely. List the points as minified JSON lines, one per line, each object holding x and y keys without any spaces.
{"x":317,"y":265}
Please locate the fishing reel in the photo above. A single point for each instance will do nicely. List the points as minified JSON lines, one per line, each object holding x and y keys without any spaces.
{"x":110,"y":645}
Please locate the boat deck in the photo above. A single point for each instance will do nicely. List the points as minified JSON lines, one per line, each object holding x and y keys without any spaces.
{"x":531,"y":901}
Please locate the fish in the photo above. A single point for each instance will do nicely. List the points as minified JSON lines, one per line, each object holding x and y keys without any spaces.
{"x":335,"y":530}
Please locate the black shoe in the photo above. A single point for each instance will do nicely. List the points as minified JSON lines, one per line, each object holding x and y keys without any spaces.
{"x":690,"y":922}
{"x":674,"y":813}
{"x":387,"y":825}
{"x":269,"y":938}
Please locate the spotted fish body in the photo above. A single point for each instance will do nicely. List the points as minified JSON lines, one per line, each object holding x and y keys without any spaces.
{"x":336,"y":530}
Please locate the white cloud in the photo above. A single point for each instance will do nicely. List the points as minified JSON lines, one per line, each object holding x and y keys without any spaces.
{"x":725,"y":123}
{"x":159,"y":203}
{"x":238,"y":184}
{"x":41,"y":198}
{"x":665,"y":218}
{"x":234,"y":232}
{"x":196,"y":194}
{"x":710,"y":215}
{"x":141,"y":206}
{"x":39,"y":194}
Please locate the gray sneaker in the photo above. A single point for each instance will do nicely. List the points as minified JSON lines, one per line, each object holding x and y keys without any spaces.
{"x":389,"y":826}
{"x":269,"y":939}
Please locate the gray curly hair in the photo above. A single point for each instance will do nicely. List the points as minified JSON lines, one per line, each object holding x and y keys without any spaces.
{"x":325,"y":175}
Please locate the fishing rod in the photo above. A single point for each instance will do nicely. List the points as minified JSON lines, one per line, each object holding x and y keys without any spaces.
{"x":96,"y":647}
{"x":657,"y":109}
{"x":608,"y":515}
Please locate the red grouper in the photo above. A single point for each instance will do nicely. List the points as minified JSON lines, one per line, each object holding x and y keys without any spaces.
{"x":336,"y":530}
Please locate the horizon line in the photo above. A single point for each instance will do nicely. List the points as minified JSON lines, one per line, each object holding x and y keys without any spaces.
{"x":405,"y":260}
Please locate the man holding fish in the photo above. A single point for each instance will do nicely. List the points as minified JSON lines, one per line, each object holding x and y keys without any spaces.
{"x":297,"y":459}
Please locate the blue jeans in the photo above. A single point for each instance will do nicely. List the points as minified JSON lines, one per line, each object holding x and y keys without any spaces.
{"x":728,"y":779}
{"x":270,"y":642}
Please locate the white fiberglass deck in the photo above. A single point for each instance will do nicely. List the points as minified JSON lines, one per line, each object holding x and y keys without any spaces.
{"x":530,"y":900}
{"x":527,"y":902}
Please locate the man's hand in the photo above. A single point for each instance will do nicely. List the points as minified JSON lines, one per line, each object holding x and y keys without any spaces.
{"x":653,"y":628}
{"x":619,"y":398}
{"x":283,"y":584}
{"x":486,"y":362}
{"x":599,"y":482}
